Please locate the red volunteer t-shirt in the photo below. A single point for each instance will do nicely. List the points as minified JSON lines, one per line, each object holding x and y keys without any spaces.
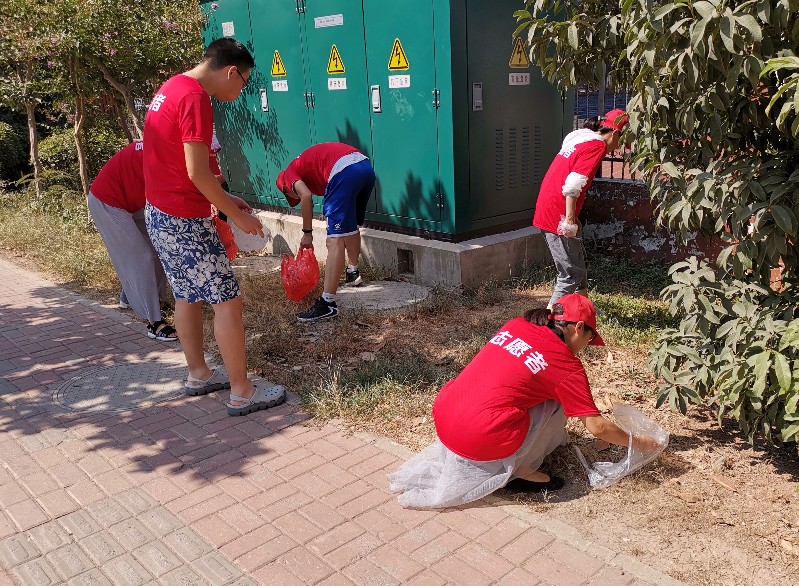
{"x":313,"y":166}
{"x":582,"y":152}
{"x":120,"y":183}
{"x":180,"y":112}
{"x":482,"y":413}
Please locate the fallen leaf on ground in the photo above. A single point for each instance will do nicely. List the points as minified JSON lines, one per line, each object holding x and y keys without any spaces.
{"x":609,"y":358}
{"x":725,"y":482}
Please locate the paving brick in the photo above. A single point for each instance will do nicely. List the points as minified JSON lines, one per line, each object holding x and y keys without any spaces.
{"x":441,"y":547}
{"x":126,"y":571}
{"x":336,"y":580}
{"x":194,"y":498}
{"x":326,"y":450}
{"x":358,"y":548}
{"x":238,"y":488}
{"x":37,"y":572}
{"x":488,"y":514}
{"x":11,"y":493}
{"x":467,"y":526}
{"x":454,"y":570}
{"x":160,"y":521}
{"x":365,"y":573}
{"x":426,"y":578}
{"x":27,"y":514}
{"x":305,"y":565}
{"x":242,"y":518}
{"x":410,"y":518}
{"x":266,"y":553}
{"x":518,"y":577}
{"x":209,"y":507}
{"x":93,"y":577}
{"x":136,"y":501}
{"x":108,"y":512}
{"x":396,"y":563}
{"x":321,"y":515}
{"x":335,"y":538}
{"x":57,"y":503}
{"x":554,"y":572}
{"x":419,"y":536}
{"x":302,"y":466}
{"x":86,"y":492}
{"x":502,"y":534}
{"x":611,"y":576}
{"x":298,"y":527}
{"x":101,"y":547}
{"x":525,"y":546}
{"x":130,"y":534}
{"x":183,"y":576}
{"x":215,"y":569}
{"x":79,"y":524}
{"x":485,"y":560}
{"x":7,"y":526}
{"x":163,"y":490}
{"x":215,"y":531}
{"x":16,"y":550}
{"x":187,"y":544}
{"x":246,"y":543}
{"x":577,"y":560}
{"x":274,"y":573}
{"x":49,"y":537}
{"x":69,"y":561}
{"x":370,"y":500}
{"x":112,"y":482}
{"x":157,"y":558}
{"x":347,"y":493}
{"x":94,"y":464}
{"x":39,"y":483}
{"x":67,"y":474}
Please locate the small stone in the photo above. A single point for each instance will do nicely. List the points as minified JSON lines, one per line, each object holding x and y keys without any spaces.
{"x":788,"y":547}
{"x":690,"y":497}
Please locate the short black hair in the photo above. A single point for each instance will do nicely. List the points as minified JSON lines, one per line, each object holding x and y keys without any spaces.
{"x":227,"y":51}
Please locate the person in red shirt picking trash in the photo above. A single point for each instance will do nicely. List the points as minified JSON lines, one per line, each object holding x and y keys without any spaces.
{"x":562,"y":194}
{"x":346,"y":179}
{"x":116,"y":203}
{"x":180,"y":190}
{"x":499,"y":418}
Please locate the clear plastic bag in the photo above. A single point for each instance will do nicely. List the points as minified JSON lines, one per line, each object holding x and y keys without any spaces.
{"x":300,"y":275}
{"x":635,"y":423}
{"x":250,"y":242}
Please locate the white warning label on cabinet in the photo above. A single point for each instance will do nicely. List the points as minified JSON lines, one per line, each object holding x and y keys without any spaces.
{"x":399,"y":81}
{"x":518,"y":79}
{"x":325,"y":21}
{"x":228,"y":30}
{"x":337,"y":83}
{"x":280,"y":85}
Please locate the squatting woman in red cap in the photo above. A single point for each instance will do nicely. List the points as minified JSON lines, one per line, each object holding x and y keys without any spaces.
{"x":499,"y":418}
{"x":562,"y":194}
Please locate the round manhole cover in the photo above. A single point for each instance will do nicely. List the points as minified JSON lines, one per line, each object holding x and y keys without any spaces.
{"x":123,"y":387}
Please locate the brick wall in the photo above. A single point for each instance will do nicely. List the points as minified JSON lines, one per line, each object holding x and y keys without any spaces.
{"x":618,"y":219}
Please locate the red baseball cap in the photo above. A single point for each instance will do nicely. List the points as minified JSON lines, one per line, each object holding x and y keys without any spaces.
{"x":616,"y":119}
{"x":575,"y":307}
{"x":285,"y":188}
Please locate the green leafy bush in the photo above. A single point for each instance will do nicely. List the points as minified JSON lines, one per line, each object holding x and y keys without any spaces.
{"x":12,"y":153}
{"x":58,"y":151}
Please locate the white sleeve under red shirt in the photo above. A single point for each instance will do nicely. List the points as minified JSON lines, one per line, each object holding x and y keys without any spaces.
{"x":482,"y":413}
{"x":582,"y":153}
{"x":313,"y":166}
{"x":179,"y":113}
{"x":120,"y":183}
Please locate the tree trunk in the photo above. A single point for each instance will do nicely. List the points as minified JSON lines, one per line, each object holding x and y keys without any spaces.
{"x":80,"y":118}
{"x":123,"y":118}
{"x":138,"y":124}
{"x":25,"y":74}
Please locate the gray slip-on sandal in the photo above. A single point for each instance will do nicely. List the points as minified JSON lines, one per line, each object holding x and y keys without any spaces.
{"x":267,"y":394}
{"x":216,"y":382}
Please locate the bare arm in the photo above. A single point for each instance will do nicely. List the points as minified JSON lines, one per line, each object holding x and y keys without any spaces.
{"x":571,"y":209}
{"x":606,"y":430}
{"x":306,"y":207}
{"x":196,"y":154}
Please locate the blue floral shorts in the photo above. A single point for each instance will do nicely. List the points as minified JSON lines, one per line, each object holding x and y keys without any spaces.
{"x":193,"y":256}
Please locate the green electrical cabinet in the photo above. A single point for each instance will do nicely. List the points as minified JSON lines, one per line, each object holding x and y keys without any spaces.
{"x":459,"y":126}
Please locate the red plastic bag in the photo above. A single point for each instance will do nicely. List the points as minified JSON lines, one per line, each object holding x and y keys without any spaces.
{"x":226,"y":236}
{"x":300,"y":275}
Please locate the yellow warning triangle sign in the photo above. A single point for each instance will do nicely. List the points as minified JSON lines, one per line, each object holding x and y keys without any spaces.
{"x":335,"y":64}
{"x":398,"y":60}
{"x":519,"y":59}
{"x":278,"y":68}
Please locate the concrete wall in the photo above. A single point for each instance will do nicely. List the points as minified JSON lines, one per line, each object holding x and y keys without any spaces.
{"x":619,"y":219}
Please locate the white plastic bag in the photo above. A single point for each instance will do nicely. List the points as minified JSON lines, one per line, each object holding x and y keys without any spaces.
{"x":250,"y":242}
{"x":635,"y":423}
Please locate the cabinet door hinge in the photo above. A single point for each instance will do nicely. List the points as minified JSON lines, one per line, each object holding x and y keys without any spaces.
{"x":440,"y":202}
{"x":436,"y":98}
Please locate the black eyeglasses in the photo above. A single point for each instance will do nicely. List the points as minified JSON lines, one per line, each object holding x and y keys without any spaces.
{"x":243,"y":81}
{"x":593,"y":333}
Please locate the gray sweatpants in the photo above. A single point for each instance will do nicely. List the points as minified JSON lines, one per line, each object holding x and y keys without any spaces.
{"x":133,"y":256}
{"x":569,"y":256}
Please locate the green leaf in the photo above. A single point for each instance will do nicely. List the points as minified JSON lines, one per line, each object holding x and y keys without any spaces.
{"x":750,"y":23}
{"x":783,"y":370}
{"x":574,"y":40}
{"x":784,"y":219}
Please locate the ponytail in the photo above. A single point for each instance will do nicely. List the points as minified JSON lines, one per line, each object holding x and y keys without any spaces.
{"x":595,"y":123}
{"x":539,"y":317}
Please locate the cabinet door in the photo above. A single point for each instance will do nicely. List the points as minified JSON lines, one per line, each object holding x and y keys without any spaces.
{"x":402,"y":80}
{"x":241,"y":158}
{"x":284,"y":110}
{"x":337,"y":77}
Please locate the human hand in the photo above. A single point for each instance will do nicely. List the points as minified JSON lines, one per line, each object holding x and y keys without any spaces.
{"x":241,"y":204}
{"x":645,"y":443}
{"x":248,"y":223}
{"x":306,"y":241}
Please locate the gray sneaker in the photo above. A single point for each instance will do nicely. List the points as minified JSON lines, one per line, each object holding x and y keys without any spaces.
{"x":352,"y":278}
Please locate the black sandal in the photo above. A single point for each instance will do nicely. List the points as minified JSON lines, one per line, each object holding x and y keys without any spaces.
{"x":162,"y":332}
{"x":521,"y":485}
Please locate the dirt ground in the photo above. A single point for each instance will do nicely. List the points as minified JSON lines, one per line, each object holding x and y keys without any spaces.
{"x":712,"y":510}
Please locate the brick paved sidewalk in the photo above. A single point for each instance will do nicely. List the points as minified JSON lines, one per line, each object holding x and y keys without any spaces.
{"x":177,"y":492}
